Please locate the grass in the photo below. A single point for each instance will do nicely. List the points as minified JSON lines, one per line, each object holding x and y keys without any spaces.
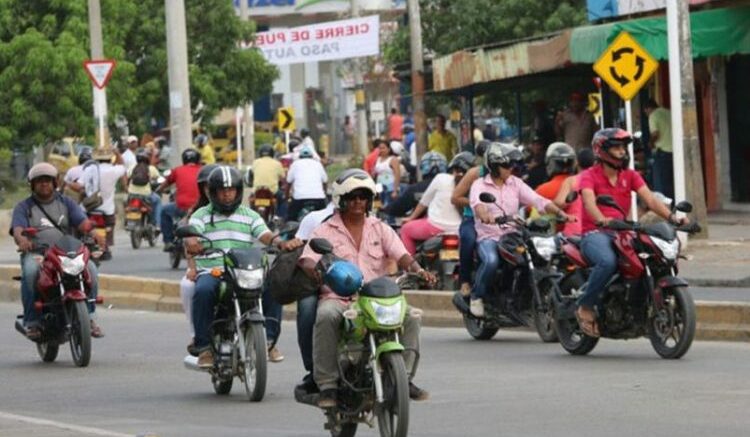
{"x":9,"y":199}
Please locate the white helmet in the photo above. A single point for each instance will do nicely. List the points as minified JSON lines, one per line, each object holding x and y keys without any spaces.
{"x":42,"y":169}
{"x":396,"y":147}
{"x":350,"y":180}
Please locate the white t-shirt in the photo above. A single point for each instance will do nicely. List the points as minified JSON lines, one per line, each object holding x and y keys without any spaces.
{"x":437,"y":198}
{"x":73,"y":174}
{"x":104,"y":180}
{"x":307,"y":177}
{"x":312,"y":220}
{"x":128,"y":159}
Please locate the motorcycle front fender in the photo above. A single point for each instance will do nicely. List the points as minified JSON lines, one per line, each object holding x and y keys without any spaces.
{"x":253,"y":317}
{"x":672,"y":281}
{"x":388,"y":346}
{"x":74,"y":295}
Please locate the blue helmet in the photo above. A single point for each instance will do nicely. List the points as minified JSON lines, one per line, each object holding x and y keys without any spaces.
{"x":306,"y":152}
{"x":432,"y":163}
{"x":344,"y":278}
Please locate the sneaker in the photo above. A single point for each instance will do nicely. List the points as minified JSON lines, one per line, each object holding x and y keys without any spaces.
{"x":191,"y":349}
{"x":274,"y":355}
{"x":206,"y":359}
{"x":96,"y":331}
{"x":327,"y":398}
{"x":308,"y":385}
{"x":465,"y":289}
{"x":477,"y":307}
{"x":417,"y":394}
{"x":168,"y":247}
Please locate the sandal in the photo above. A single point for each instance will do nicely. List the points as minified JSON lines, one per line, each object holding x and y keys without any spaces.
{"x":96,"y":331}
{"x":587,"y":322}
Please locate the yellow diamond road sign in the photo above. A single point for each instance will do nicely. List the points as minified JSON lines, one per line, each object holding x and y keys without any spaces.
{"x":625,"y":66}
{"x":286,"y":119}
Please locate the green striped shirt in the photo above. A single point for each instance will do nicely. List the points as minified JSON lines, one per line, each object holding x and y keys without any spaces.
{"x":236,"y":231}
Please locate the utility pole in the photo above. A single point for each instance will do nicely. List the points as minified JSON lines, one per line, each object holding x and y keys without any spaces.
{"x":97,"y":53}
{"x":359,"y":97}
{"x":248,"y":153}
{"x":180,"y":116}
{"x":417,"y":76}
{"x":688,"y":168}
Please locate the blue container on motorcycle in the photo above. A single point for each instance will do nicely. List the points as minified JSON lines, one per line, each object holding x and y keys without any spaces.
{"x":344,"y":278}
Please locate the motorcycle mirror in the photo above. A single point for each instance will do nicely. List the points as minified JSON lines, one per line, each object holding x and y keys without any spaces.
{"x":571,"y":197}
{"x":684,"y":206}
{"x":486,"y":198}
{"x":321,"y":246}
{"x":187,"y":231}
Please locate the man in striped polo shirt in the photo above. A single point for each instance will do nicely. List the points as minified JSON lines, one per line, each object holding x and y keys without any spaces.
{"x":229,"y":225}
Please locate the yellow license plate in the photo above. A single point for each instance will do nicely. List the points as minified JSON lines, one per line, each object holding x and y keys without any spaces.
{"x":262,"y":202}
{"x":133,"y":216}
{"x":101,"y":232}
{"x":449,"y":255}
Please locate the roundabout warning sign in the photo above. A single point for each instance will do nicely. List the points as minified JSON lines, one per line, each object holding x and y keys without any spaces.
{"x":626,"y":66}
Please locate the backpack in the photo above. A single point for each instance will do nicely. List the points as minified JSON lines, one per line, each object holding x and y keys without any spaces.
{"x":141,"y":175}
{"x":286,"y":281}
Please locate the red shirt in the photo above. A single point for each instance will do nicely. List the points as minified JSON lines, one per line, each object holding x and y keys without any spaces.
{"x":549,"y":189}
{"x":395,"y":125}
{"x":185,"y":178}
{"x":595,"y":179}
{"x":370,"y":161}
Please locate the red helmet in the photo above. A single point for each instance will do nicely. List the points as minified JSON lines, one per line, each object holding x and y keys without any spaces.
{"x":606,"y":138}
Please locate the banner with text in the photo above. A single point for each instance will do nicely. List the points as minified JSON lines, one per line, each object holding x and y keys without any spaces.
{"x":342,"y":39}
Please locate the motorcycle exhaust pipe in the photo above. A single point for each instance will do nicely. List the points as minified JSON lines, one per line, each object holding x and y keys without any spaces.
{"x":191,"y":363}
{"x":19,"y":327}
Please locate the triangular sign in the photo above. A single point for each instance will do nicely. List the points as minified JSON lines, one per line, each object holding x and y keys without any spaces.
{"x":99,"y":71}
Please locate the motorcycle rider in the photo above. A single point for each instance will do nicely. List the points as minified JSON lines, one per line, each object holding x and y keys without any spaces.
{"x":268,"y":172}
{"x":442,"y":216}
{"x":228,"y":224}
{"x":53,"y":215}
{"x":431,"y":164}
{"x":609,"y":176}
{"x":140,"y":178}
{"x":185,"y":179}
{"x":510,"y":194}
{"x":560,"y":160}
{"x":370,"y":244}
{"x":73,"y":177}
{"x":205,"y":149}
{"x":102,"y":176}
{"x":308,"y":179}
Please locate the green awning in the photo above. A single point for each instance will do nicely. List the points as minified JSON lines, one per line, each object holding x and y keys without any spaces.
{"x":715,"y":32}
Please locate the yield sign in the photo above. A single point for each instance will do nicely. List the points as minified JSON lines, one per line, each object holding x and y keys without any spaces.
{"x":625,"y":66}
{"x":99,"y":71}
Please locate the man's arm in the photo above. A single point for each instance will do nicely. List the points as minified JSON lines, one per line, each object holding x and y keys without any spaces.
{"x":589,"y":203}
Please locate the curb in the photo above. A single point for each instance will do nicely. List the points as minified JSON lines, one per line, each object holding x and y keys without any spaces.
{"x":728,"y":321}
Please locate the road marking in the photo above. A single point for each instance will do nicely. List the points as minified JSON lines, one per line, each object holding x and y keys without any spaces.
{"x":61,"y":425}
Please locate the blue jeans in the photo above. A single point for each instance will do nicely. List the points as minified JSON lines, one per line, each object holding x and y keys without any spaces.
{"x":599,"y":251}
{"x":170,"y":213}
{"x":663,"y":173}
{"x":307,"y":308}
{"x":204,"y":299}
{"x":273,"y":312}
{"x":468,"y":241}
{"x":29,"y":276}
{"x":155,"y":201}
{"x":489,"y":262}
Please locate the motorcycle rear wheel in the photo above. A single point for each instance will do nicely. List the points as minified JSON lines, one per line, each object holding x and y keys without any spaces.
{"x":478,"y":328}
{"x":222,"y":386}
{"x":80,"y":333}
{"x":672,"y":329}
{"x":345,"y":430}
{"x":544,"y":322}
{"x":255,"y":363}
{"x":393,"y":414}
{"x":151,"y":236}
{"x":47,"y":351}
{"x":135,"y":238}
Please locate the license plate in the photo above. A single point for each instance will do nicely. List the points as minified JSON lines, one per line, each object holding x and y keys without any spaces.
{"x":449,"y":255}
{"x":133,"y":215}
{"x":262,"y":202}
{"x":101,"y":232}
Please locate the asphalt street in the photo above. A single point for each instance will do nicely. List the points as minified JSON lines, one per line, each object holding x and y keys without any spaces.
{"x":511,"y":386}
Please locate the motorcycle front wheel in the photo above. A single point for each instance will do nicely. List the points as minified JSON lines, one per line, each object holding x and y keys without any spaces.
{"x":255,"y":362}
{"x":393,"y":413}
{"x":221,"y":386}
{"x":544,"y":320}
{"x":672,"y":328}
{"x":80,"y":333}
{"x":47,"y":351}
{"x":478,"y":328}
{"x":345,"y":430}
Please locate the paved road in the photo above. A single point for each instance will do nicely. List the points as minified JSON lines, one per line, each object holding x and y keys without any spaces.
{"x":511,"y":386}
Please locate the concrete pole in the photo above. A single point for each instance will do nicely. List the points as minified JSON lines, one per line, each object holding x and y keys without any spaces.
{"x":686,"y":152}
{"x":97,"y":53}
{"x":359,"y":97}
{"x":417,"y":77}
{"x":248,"y":120}
{"x":180,"y":116}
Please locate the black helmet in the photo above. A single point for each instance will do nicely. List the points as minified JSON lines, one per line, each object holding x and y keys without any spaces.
{"x":481,"y":147}
{"x":84,"y":156}
{"x":304,"y":132}
{"x":294,"y":142}
{"x":142,"y":156}
{"x":463,"y":161}
{"x":224,"y":177}
{"x":266,"y":150}
{"x":204,"y":172}
{"x":560,"y":159}
{"x":191,"y":155}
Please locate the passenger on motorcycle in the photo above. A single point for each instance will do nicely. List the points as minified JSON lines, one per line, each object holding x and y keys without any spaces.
{"x":560,"y":161}
{"x":442,"y":215}
{"x":140,"y":178}
{"x":72,"y":184}
{"x":431,"y":164}
{"x":609,"y":176}
{"x":308,"y":179}
{"x":370,"y":244}
{"x":53,"y":215}
{"x":227,"y":224}
{"x":584,"y":160}
{"x":268,"y":172}
{"x":185,"y":179}
{"x":511,"y":193}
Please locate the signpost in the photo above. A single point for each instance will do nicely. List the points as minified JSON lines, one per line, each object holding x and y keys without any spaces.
{"x":100,"y":72}
{"x":285,"y":117}
{"x":377,"y":114}
{"x":595,"y":108}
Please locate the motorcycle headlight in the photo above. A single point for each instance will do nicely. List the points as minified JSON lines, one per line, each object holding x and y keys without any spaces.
{"x":669,"y":249}
{"x":249,"y":279}
{"x":544,"y":246}
{"x":387,"y":315}
{"x":73,"y":266}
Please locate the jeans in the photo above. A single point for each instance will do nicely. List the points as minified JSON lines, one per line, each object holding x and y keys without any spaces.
{"x":29,"y":276}
{"x":663,"y":173}
{"x":489,"y":262}
{"x":386,"y":199}
{"x":468,"y":236}
{"x":170,"y":213}
{"x":299,"y":204}
{"x":417,"y":230}
{"x":281,"y":204}
{"x":273,"y":312}
{"x":599,"y":251}
{"x":307,"y":307}
{"x":155,"y":201}
{"x":204,"y":299}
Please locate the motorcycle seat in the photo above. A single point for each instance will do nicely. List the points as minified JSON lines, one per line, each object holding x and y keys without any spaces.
{"x":432,"y":245}
{"x":381,"y":288}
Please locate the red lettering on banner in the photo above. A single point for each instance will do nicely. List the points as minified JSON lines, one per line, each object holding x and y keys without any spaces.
{"x":269,"y":38}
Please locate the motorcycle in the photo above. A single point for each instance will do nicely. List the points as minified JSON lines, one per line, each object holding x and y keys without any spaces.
{"x":138,"y":221}
{"x":438,"y":255}
{"x":644,"y":298}
{"x":100,"y":229}
{"x":63,"y":287}
{"x":516,"y":299}
{"x":238,"y":333}
{"x":263,"y":201}
{"x":373,"y":380}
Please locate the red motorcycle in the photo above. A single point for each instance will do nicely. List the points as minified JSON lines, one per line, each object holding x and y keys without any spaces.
{"x":263,"y":201}
{"x":644,"y":298}
{"x":64,"y":288}
{"x":138,"y":221}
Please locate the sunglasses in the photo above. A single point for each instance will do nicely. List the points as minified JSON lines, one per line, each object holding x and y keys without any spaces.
{"x":358,"y":196}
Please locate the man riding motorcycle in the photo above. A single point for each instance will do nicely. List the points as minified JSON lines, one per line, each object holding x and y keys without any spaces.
{"x":185,"y":179}
{"x":370,"y":244}
{"x":228,"y":225}
{"x":431,"y":164}
{"x":52,"y":215}
{"x":609,"y":176}
{"x":140,"y":178}
{"x":268,"y":172}
{"x":307,"y":178}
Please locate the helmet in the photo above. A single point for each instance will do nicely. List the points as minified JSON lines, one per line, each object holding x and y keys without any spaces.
{"x":41,"y":170}
{"x":432,"y":163}
{"x":204,"y":172}
{"x":102,"y":155}
{"x":306,"y":152}
{"x":293,"y":143}
{"x":463,"y":161}
{"x":201,"y":139}
{"x":265,"y":150}
{"x":84,"y":156}
{"x":585,"y":158}
{"x":132,"y":139}
{"x":142,"y":156}
{"x":606,"y":138}
{"x":191,"y":155}
{"x":344,"y":278}
{"x":348,"y":181}
{"x":249,"y":178}
{"x":502,"y":154}
{"x":304,"y":132}
{"x":560,"y":158}
{"x":224,"y":177}
{"x":482,"y":147}
{"x":396,"y":147}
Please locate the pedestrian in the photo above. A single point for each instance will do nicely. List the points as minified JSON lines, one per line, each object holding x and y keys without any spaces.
{"x":575,"y":126}
{"x":442,"y":140}
{"x":489,"y":131}
{"x":205,"y":149}
{"x":128,"y":156}
{"x":348,"y":133}
{"x":660,"y":128}
{"x":535,"y":165}
{"x":395,"y":125}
